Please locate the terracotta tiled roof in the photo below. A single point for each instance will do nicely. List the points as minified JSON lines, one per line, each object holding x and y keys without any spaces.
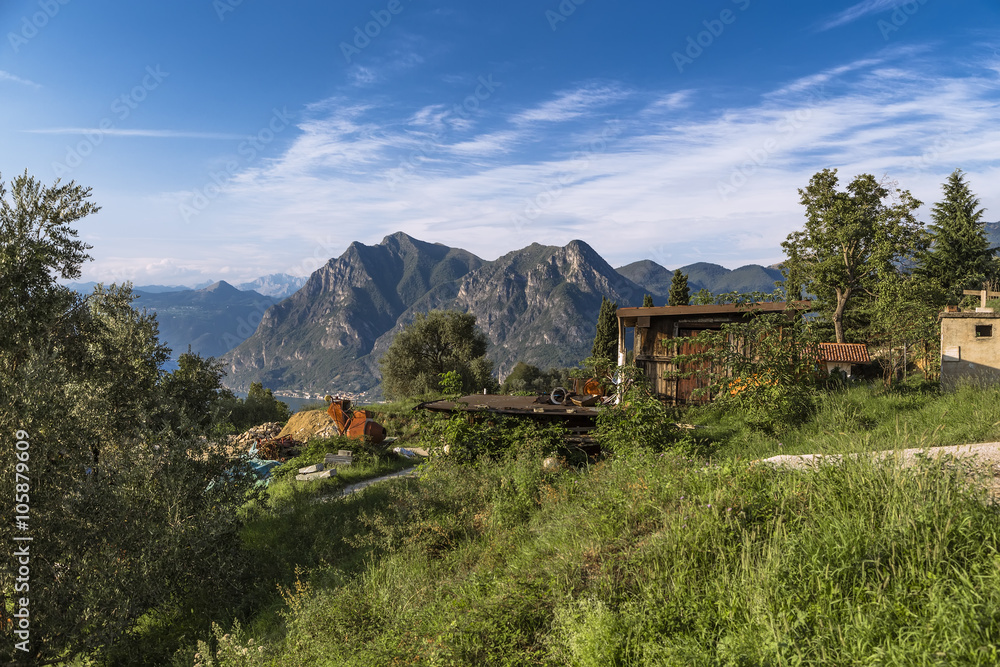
{"x":855,"y":353}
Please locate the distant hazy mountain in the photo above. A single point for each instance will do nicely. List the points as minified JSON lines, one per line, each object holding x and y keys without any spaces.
{"x":88,"y":287}
{"x":538,"y":304}
{"x":656,"y":279}
{"x":278,"y":285}
{"x":993,"y":234}
{"x":212,"y":320}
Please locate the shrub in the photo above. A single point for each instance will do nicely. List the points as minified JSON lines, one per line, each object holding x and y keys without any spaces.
{"x":638,"y":423}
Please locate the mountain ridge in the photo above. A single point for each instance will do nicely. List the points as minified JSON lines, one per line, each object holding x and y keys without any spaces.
{"x":537,"y":304}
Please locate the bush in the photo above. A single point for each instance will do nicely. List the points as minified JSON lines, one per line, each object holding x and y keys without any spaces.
{"x":638,"y":423}
{"x":764,"y":368}
{"x":768,"y":405}
{"x":469,"y":440}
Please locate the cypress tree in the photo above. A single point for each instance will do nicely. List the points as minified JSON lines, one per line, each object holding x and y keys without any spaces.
{"x":606,"y":340}
{"x":680,"y":293}
{"x":959,"y":256}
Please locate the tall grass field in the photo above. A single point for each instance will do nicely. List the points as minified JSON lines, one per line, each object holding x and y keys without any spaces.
{"x":689,"y":553}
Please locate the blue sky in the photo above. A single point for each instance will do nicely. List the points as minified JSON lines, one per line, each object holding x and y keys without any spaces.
{"x":227,"y":139}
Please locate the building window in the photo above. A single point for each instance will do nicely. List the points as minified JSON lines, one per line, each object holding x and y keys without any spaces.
{"x":984,"y":331}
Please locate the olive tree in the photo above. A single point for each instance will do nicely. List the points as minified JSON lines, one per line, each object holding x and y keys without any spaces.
{"x":430,"y":346}
{"x":127,"y":520}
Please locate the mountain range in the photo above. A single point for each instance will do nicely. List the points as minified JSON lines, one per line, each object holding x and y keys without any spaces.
{"x":278,"y":285}
{"x":212,"y":320}
{"x":538,"y":304}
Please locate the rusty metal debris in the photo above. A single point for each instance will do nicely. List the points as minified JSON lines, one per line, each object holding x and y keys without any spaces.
{"x":353,"y":423}
{"x":278,"y":449}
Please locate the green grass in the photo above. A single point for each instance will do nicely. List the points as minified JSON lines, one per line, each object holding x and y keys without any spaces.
{"x":868,"y":418}
{"x":652,"y":558}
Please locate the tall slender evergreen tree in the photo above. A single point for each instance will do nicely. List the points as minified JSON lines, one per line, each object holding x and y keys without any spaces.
{"x":680,"y":293}
{"x":959,"y":256}
{"x":647,"y":301}
{"x":606,"y":340}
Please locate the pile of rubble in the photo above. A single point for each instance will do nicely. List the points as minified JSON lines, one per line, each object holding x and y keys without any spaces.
{"x":243,"y":442}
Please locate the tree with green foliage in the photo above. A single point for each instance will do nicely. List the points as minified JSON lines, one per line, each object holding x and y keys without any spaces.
{"x":606,"y":340}
{"x":521,"y":378}
{"x":902,"y":323}
{"x":122,"y":522}
{"x":193,"y":389}
{"x":436,"y":343}
{"x":530,"y":378}
{"x":680,"y":293}
{"x":37,"y":243}
{"x":233,"y":414}
{"x":702,"y":297}
{"x":647,"y":301}
{"x":959,"y":256}
{"x":851,"y":240}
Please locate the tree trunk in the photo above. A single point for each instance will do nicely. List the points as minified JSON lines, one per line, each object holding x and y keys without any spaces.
{"x":838,"y":314}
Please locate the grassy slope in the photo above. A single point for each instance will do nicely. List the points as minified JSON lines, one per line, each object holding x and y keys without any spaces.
{"x":658,"y":558}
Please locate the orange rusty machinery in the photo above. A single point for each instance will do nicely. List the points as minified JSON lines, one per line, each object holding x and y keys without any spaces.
{"x":353,"y":423}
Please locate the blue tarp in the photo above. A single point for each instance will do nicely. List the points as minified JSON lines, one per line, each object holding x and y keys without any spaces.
{"x":262,"y":469}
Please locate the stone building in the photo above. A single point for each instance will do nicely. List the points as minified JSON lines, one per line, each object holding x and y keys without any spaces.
{"x":970,"y":347}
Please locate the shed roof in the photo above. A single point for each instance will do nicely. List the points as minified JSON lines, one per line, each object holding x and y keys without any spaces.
{"x":713,"y":309}
{"x":855,"y":353}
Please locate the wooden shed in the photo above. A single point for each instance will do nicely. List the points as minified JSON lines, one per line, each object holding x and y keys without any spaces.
{"x":653,"y":325}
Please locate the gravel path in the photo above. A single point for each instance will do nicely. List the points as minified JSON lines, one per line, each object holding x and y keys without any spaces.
{"x":985,"y":456}
{"x":406,"y":472}
{"x":987,"y":453}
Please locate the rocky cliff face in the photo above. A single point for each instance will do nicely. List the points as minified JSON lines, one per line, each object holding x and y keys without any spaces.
{"x":538,"y":304}
{"x":319,"y":337}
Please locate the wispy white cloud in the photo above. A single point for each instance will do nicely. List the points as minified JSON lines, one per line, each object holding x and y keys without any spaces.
{"x":363,"y":76}
{"x":120,"y":132}
{"x":860,"y":10}
{"x":673,"y":182}
{"x":488,"y":144}
{"x":7,"y":76}
{"x":571,"y":104}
